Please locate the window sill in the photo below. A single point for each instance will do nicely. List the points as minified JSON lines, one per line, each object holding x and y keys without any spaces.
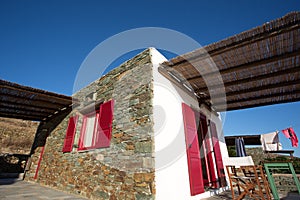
{"x":89,"y":149}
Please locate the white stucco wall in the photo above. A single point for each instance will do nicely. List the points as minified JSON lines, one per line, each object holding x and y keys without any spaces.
{"x":171,"y":176}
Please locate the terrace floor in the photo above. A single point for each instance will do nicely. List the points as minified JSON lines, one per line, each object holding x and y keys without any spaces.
{"x":22,"y":190}
{"x":227,"y":195}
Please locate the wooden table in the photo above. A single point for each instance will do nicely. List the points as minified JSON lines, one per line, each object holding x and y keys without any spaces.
{"x":270,"y":166}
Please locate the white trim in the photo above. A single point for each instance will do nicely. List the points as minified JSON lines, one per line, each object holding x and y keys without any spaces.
{"x":171,"y":176}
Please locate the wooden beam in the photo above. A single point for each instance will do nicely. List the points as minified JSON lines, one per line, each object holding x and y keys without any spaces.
{"x":12,"y":99}
{"x":25,"y":108}
{"x":251,"y":79}
{"x":257,"y":89}
{"x":23,"y":104}
{"x":58,"y":116}
{"x":22,"y":112}
{"x":34,"y":90}
{"x":254,"y":98}
{"x":230,"y":108}
{"x":10,"y":90}
{"x":248,"y":139}
{"x":20,"y":116}
{"x":246,"y":66}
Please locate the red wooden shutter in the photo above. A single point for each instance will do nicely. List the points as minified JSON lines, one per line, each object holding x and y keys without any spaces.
{"x":104,"y":129}
{"x":82,"y":134}
{"x":211,"y":175}
{"x":218,"y":155}
{"x":69,"y":139}
{"x":192,"y":149}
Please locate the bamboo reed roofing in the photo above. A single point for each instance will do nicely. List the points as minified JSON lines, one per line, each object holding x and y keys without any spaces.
{"x":254,"y":68}
{"x":22,"y":102}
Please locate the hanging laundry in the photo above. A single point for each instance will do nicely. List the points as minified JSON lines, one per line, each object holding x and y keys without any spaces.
{"x":290,"y":133}
{"x":240,"y":147}
{"x":270,"y":141}
{"x":286,"y":133}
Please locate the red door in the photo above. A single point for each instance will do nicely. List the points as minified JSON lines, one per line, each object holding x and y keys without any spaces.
{"x":192,"y":149}
{"x":218,"y":155}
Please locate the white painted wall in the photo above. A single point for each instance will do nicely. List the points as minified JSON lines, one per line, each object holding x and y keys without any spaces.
{"x":171,"y":177}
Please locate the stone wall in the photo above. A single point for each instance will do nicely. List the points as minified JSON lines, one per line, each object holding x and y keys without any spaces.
{"x":285,"y":183}
{"x":125,"y":170}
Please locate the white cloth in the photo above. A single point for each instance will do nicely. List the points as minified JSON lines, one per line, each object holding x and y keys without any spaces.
{"x":270,"y":141}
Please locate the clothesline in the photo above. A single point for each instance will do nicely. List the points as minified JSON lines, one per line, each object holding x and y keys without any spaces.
{"x":269,"y":141}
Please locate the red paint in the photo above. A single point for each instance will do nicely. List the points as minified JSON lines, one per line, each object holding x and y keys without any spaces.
{"x":218,"y":155}
{"x":82,"y":134}
{"x":71,"y":130}
{"x":211,"y":175}
{"x":102,"y":127}
{"x":104,"y":130}
{"x":192,"y":149}
{"x":83,"y":131}
{"x":39,"y":163}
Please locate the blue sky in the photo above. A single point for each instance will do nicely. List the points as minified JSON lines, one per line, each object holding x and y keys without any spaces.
{"x":43,"y":43}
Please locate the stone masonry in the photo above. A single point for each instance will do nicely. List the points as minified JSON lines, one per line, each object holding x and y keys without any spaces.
{"x":125,"y":170}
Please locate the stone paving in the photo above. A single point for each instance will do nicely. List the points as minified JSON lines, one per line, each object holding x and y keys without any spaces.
{"x":17,"y":189}
{"x":227,"y":195}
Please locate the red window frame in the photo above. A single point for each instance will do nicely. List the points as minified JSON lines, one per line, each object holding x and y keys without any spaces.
{"x":102,"y":130}
{"x":84,"y":128}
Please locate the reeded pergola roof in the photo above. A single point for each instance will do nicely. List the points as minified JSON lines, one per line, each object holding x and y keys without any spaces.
{"x":254,"y":68}
{"x":22,"y":102}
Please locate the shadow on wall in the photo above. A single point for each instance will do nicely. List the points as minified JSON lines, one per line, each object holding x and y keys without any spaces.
{"x":46,"y":127}
{"x":12,"y":166}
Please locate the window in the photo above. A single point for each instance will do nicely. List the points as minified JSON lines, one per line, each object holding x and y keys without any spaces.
{"x":97,"y":127}
{"x":89,"y":126}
